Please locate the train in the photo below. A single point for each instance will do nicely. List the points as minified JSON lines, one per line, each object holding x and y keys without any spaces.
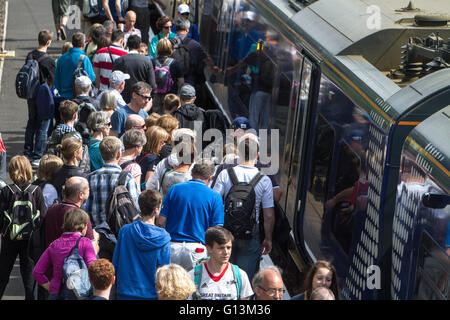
{"x":359,"y":95}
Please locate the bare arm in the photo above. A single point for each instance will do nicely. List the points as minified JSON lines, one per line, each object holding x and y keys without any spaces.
{"x":269,"y":222}
{"x":97,"y":77}
{"x":107,"y":9}
{"x":119,"y":11}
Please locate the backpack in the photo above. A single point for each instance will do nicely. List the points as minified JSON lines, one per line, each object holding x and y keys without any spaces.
{"x":75,"y":283}
{"x":239,"y":206}
{"x":181,"y":53}
{"x":28,"y":80}
{"x":198,"y":280}
{"x":85,"y":109}
{"x":91,"y":8}
{"x":56,"y":140}
{"x":79,"y":71}
{"x":120,"y":208}
{"x":36,"y":243}
{"x":22,"y":216}
{"x":163,"y":78}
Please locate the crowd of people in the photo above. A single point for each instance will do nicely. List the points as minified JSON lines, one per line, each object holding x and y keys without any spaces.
{"x":121,"y":111}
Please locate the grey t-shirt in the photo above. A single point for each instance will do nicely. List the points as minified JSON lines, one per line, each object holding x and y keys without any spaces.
{"x":173,"y":177}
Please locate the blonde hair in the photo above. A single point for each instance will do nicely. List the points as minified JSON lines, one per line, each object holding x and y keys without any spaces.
{"x":69,"y":147}
{"x":75,"y":220}
{"x":108,"y":101}
{"x":154,"y":136}
{"x":48,"y":164}
{"x":19,"y":169}
{"x":152,"y":119}
{"x":173,"y":283}
{"x":164,"y":48}
{"x":109,"y":147}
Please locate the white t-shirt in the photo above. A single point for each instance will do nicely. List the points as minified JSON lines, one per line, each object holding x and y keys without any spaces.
{"x":222,"y":287}
{"x":263,"y":190}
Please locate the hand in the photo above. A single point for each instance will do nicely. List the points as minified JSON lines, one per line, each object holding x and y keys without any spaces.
{"x":215,"y":70}
{"x":46,"y":286}
{"x":266,"y":246}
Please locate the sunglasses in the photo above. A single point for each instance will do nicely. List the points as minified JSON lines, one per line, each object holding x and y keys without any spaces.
{"x":142,"y":96}
{"x":167,"y":27}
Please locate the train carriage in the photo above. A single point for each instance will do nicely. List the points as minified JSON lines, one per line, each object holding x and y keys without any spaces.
{"x":350,"y":79}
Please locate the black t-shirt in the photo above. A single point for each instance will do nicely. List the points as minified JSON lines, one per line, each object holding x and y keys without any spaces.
{"x":197,"y":54}
{"x":176,"y":71}
{"x":47,"y":66}
{"x":61,"y":175}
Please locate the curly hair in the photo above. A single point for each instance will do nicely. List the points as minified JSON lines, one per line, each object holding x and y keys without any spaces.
{"x":173,"y":283}
{"x":162,"y":21}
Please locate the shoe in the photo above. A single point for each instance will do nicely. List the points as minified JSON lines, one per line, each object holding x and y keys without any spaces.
{"x":35,"y":163}
{"x":63,"y":33}
{"x":58,"y":36}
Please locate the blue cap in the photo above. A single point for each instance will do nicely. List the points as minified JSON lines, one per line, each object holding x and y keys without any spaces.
{"x":356,"y":135}
{"x":241,"y":123}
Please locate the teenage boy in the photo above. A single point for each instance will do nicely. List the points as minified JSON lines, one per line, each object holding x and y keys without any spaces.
{"x":102,"y":277}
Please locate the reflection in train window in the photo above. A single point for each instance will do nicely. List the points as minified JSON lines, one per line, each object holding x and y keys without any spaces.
{"x":433,"y":270}
{"x":346,"y":188}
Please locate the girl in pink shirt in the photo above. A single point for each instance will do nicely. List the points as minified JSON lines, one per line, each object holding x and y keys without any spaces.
{"x":74,"y":227}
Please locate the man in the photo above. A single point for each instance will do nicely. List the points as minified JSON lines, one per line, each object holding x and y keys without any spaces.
{"x":102,"y":277}
{"x":83,"y":90}
{"x":247,"y":250}
{"x":217,"y":278}
{"x":268,"y":284}
{"x":36,"y":129}
{"x":188,"y":112}
{"x":67,"y":64}
{"x":76,"y":193}
{"x":139,"y":68}
{"x":129,"y":29}
{"x":116,"y":86}
{"x":140,"y":102}
{"x":189,"y":209}
{"x":103,"y":181}
{"x":183,"y":12}
{"x":198,"y":56}
{"x":104,"y":58}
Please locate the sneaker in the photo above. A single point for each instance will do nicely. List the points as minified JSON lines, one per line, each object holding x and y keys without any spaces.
{"x":35,"y":163}
{"x":63,"y":33}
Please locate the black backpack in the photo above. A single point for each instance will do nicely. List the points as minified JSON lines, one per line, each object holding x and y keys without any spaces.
{"x":85,"y":109}
{"x":28,"y":79}
{"x":181,"y":53}
{"x":239,"y":207}
{"x":120,"y":208}
{"x":163,"y":78}
{"x":22,"y":216}
{"x":79,"y":71}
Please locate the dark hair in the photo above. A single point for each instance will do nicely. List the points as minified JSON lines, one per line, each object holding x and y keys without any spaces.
{"x":78,"y":40}
{"x":219,"y":235}
{"x":44,"y":36}
{"x":148,"y":201}
{"x":308,"y":282}
{"x":103,"y":42}
{"x":67,"y":109}
{"x":203,"y":169}
{"x":134,"y":41}
{"x":117,"y":35}
{"x":162,"y":21}
{"x":141,"y":86}
{"x":97,"y":33}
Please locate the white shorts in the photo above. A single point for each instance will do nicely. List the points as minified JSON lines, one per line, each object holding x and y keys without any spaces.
{"x":187,"y":254}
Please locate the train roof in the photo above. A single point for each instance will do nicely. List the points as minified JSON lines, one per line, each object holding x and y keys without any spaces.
{"x":429,"y":142}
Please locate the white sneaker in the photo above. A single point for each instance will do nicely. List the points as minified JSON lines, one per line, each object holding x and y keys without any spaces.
{"x":35,"y":163}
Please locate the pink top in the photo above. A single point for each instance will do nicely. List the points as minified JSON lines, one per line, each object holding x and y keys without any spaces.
{"x":54,"y":257}
{"x":133,"y":168}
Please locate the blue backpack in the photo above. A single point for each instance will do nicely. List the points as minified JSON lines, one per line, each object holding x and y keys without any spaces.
{"x":75,"y":283}
{"x":198,"y":280}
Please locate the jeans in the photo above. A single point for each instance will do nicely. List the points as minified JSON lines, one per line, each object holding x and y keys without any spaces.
{"x":236,"y":106}
{"x":247,"y":254}
{"x":35,"y":133}
{"x":8,"y":254}
{"x":260,"y":102}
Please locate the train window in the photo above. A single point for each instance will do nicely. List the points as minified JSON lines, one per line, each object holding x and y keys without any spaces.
{"x":433,"y":271}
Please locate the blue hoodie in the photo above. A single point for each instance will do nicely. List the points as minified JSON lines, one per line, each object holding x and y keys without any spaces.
{"x":140,"y":250}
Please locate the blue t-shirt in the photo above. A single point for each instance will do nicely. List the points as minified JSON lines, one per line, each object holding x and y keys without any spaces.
{"x":190,"y":209}
{"x":119,"y":118}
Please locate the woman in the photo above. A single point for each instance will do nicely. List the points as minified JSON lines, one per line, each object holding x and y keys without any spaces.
{"x":164,"y":24}
{"x":173,"y":283}
{"x":61,"y":13}
{"x":149,"y":158}
{"x":133,"y":141}
{"x":170,"y":124}
{"x":321,"y":274}
{"x":74,"y":228}
{"x":20,"y":172}
{"x":163,"y":59}
{"x":95,"y":32}
{"x":99,"y":124}
{"x":47,"y":166}
{"x":108,"y":102}
{"x":72,"y":153}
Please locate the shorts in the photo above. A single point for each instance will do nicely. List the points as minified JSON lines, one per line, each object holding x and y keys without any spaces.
{"x":60,"y":9}
{"x":187,"y":254}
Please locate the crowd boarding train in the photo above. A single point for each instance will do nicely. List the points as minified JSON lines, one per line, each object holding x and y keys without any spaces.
{"x":359,"y":92}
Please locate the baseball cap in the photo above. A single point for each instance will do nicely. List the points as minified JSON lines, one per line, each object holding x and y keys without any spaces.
{"x":249,"y":15}
{"x":356,"y":135}
{"x":187,"y":92}
{"x":183,"y":8}
{"x":241,"y":123}
{"x":82,"y":81}
{"x":118,"y":76}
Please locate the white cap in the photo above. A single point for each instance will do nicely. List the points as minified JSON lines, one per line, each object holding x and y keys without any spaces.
{"x":183,"y":8}
{"x":117,"y":77}
{"x":82,"y":81}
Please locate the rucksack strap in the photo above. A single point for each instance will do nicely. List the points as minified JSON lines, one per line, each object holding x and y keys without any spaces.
{"x":162,"y":177}
{"x":197,"y":280}
{"x":110,"y":55}
{"x":232,"y":175}
{"x":75,"y":246}
{"x":80,"y":61}
{"x":237,"y":279}
{"x":126,"y":163}
{"x":255,"y":180}
{"x":122,"y":178}
{"x":140,"y":161}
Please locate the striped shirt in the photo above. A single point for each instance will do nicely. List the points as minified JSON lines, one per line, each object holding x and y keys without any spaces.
{"x":64,"y":128}
{"x":101,"y":184}
{"x":102,"y":61}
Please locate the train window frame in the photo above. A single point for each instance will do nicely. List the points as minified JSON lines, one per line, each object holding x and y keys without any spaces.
{"x":429,"y":246}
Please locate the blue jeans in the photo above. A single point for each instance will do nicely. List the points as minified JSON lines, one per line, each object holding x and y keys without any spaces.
{"x":260,"y":102}
{"x":247,"y":254}
{"x":236,"y":106}
{"x":35,"y":133}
